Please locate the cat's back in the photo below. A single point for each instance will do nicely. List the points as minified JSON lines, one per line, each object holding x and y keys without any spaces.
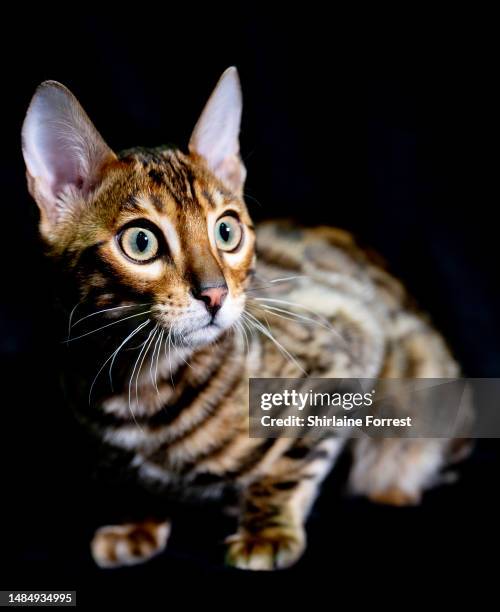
{"x":337,"y":310}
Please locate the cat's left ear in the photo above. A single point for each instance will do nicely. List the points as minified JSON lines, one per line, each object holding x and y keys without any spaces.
{"x":64,"y":154}
{"x":216,"y":135}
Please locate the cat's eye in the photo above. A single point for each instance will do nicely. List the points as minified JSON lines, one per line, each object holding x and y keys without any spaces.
{"x":139,"y":244}
{"x":228,"y":233}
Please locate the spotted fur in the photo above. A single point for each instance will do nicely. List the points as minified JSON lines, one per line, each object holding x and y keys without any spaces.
{"x":175,"y":402}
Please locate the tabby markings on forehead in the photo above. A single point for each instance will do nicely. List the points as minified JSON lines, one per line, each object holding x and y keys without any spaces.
{"x":218,"y":198}
{"x":147,"y":204}
{"x":156,"y":176}
{"x":157,"y":203}
{"x":207,"y":195}
{"x":130,"y":204}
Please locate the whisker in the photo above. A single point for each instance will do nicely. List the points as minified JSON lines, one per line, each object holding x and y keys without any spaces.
{"x":157,"y":353}
{"x":158,"y":361}
{"x":172,"y":335}
{"x":246,"y":325}
{"x":320,"y":318}
{"x":276,"y":314}
{"x":131,"y":377}
{"x":113,"y":356}
{"x":247,"y":341}
{"x":287,"y":278}
{"x":138,"y":329}
{"x":265,"y":317}
{"x":92,"y":314}
{"x":238,"y":327}
{"x":168,"y":339}
{"x":250,"y":197}
{"x":151,"y":361}
{"x":178,"y":353}
{"x":71,"y":318}
{"x":134,"y":348}
{"x":266,"y":283}
{"x":109,"y":325}
{"x":269,"y":335}
{"x":293,"y":316}
{"x":148,"y":346}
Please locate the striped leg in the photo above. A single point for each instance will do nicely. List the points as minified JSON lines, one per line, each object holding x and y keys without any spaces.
{"x":271,"y":534}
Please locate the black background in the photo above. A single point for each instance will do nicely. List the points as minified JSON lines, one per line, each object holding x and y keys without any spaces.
{"x":390,"y":132}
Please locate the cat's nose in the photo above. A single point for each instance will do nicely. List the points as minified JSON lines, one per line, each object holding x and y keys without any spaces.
{"x":212,"y":296}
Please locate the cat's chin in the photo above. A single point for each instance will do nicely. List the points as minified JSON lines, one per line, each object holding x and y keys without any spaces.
{"x":203,"y":336}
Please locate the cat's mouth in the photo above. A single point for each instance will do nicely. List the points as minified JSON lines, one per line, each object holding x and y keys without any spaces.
{"x":203,"y":335}
{"x":194,"y":331}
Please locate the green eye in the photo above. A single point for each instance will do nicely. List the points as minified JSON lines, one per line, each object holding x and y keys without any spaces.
{"x":228,"y":233}
{"x":139,"y":243}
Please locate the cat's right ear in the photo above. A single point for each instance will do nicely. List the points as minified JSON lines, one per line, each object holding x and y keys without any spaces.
{"x":216,"y":135}
{"x":63,"y":152}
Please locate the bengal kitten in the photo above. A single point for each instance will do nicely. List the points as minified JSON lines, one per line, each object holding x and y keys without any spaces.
{"x":160,"y":266}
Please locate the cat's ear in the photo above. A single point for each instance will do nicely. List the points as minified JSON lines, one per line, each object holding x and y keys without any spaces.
{"x":63,"y":152}
{"x":216,"y":135}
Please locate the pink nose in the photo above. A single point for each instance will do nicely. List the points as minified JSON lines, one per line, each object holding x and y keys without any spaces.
{"x":213,"y":297}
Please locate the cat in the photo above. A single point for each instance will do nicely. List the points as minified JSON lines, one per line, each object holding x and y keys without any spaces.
{"x":192,"y":300}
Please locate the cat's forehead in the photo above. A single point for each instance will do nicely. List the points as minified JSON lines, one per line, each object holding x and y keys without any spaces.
{"x":166,"y":177}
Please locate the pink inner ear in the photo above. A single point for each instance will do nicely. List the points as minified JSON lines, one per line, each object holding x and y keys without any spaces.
{"x":67,"y":176}
{"x":63,"y":151}
{"x":215,"y":136}
{"x":232,"y":172}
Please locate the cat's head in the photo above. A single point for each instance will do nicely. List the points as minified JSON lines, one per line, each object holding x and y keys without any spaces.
{"x":148,"y":226}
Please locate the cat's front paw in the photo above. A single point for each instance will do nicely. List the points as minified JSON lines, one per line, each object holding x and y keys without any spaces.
{"x":269,"y":549}
{"x":129,"y":544}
